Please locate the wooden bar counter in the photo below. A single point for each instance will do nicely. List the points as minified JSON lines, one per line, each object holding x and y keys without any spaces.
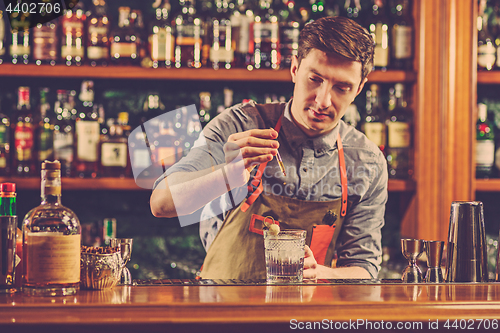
{"x":186,"y":307}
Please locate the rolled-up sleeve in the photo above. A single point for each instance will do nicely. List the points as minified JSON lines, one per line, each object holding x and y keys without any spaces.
{"x":360,"y":242}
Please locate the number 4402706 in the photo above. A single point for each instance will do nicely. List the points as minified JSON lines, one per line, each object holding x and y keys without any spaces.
{"x":33,"y":7}
{"x":471,"y":324}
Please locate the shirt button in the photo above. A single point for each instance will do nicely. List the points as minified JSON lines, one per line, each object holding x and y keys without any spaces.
{"x":304,"y":169}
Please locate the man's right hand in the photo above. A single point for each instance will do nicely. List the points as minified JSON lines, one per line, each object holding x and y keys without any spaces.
{"x":245,"y":150}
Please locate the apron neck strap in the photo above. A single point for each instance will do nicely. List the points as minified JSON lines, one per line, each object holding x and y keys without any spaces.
{"x":343,"y":176}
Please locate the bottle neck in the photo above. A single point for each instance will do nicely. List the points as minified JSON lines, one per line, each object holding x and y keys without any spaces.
{"x":51,"y":187}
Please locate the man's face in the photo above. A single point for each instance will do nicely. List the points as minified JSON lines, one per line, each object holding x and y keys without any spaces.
{"x":324,"y":87}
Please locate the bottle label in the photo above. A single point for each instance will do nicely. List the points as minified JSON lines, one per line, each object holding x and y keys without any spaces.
{"x":63,"y":146}
{"x":402,"y":37}
{"x":380,"y":35}
{"x":87,"y":133}
{"x":2,"y":35}
{"x":486,"y":55}
{"x":97,"y":52}
{"x":375,"y":133}
{"x":4,"y":134}
{"x":124,"y":50}
{"x":485,"y":152}
{"x":3,"y":161}
{"x":114,"y":154}
{"x":23,"y":141}
{"x":52,"y":258}
{"x":45,"y":43}
{"x":16,"y":49}
{"x":98,"y":31}
{"x":161,"y":45}
{"x":188,"y":34}
{"x":221,"y":55}
{"x":399,"y":134}
{"x":72,"y":51}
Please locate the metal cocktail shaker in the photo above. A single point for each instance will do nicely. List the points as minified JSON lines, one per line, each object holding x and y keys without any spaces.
{"x":467,"y":261}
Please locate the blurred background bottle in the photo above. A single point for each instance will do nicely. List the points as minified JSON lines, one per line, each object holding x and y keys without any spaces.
{"x":64,"y":133}
{"x":73,"y":34}
{"x":24,"y":135}
{"x":188,"y":36}
{"x":98,"y":33}
{"x":46,"y":43}
{"x":485,"y":143}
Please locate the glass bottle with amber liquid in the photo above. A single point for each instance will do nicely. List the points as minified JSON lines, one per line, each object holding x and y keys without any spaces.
{"x":64,"y":133}
{"x":5,"y":143}
{"x":188,"y":36}
{"x":20,"y":38}
{"x":161,"y":39}
{"x":241,"y":20}
{"x":73,"y":34}
{"x":399,"y":152}
{"x":98,"y":31}
{"x":87,"y":130}
{"x":266,"y":37}
{"x":24,"y":133}
{"x":125,"y":43}
{"x":402,"y":30}
{"x":378,"y":26}
{"x":45,"y":129}
{"x":114,"y":158}
{"x":51,"y":241}
{"x":221,"y":52}
{"x":46,"y":43}
{"x":374,"y":121}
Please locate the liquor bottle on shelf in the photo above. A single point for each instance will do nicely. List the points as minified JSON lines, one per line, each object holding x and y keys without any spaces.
{"x":3,"y":36}
{"x":374,"y":121}
{"x":5,"y":144}
{"x":399,"y":144}
{"x":221,"y":52}
{"x":46,"y":43}
{"x":206,"y":14}
{"x":485,"y":143}
{"x":45,"y":129}
{"x":161,"y":40}
{"x":266,"y":37}
{"x":20,"y":44}
{"x":486,"y":51}
{"x":64,"y":132}
{"x":98,"y":31}
{"x":378,"y":25}
{"x":51,"y":241}
{"x":114,"y":159}
{"x":137,"y":23}
{"x":125,"y":43}
{"x":188,"y":36}
{"x":241,"y":19}
{"x":9,"y":235}
{"x":87,"y":134}
{"x":494,"y":28}
{"x":24,"y":134}
{"x":402,"y":36}
{"x":289,"y":27}
{"x":73,"y":33}
{"x":108,"y":230}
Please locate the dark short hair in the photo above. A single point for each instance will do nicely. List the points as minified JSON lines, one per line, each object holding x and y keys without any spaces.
{"x":338,"y":36}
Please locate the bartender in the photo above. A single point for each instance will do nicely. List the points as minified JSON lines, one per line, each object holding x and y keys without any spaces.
{"x":334,"y":180}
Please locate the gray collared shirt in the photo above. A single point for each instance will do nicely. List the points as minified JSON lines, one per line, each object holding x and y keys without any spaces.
{"x":312,"y":173}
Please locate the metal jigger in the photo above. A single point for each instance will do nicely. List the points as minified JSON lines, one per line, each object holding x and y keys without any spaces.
{"x":434,"y":251}
{"x":412,"y":249}
{"x":467,"y":257}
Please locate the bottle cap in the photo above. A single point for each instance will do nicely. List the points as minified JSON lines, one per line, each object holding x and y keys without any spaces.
{"x":8,"y":187}
{"x":51,"y":165}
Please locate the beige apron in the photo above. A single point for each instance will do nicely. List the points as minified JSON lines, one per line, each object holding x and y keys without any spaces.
{"x":237,"y":251}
